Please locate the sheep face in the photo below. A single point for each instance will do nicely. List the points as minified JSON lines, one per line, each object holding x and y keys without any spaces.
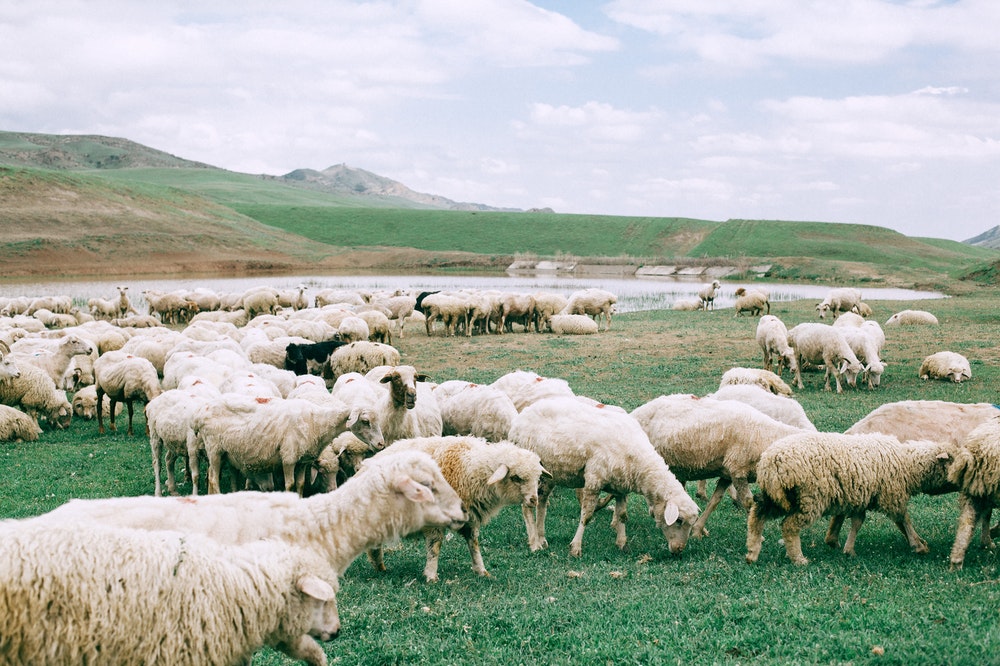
{"x":402,"y":383}
{"x":8,"y":369}
{"x":675,"y":529}
{"x":364,"y":426}
{"x":423,"y":486}
{"x":850,"y":372}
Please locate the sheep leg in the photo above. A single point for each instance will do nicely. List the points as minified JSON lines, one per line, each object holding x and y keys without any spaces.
{"x":986,"y":537}
{"x":433,"y":537}
{"x":471,"y":534}
{"x":155,"y":448}
{"x":304,"y":648}
{"x":128,"y":404}
{"x":288,"y":472}
{"x":740,"y":490}
{"x":698,"y":530}
{"x":701,"y":492}
{"x":968,"y":517}
{"x":619,"y":519}
{"x":100,"y":416}
{"x":588,"y":502}
{"x":535,"y":525}
{"x":755,"y":534}
{"x":832,"y":538}
{"x":852,"y":535}
{"x":905,"y":526}
{"x":791,"y":528}
{"x":171,"y":464}
{"x":376,"y":557}
{"x":798,"y":373}
{"x":214,"y":472}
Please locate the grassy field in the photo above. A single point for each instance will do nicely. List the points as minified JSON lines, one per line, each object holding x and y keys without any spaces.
{"x":640,"y":606}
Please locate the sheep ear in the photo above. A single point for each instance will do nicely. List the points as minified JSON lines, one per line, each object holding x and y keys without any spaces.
{"x":671,"y":513}
{"x":498,"y":475}
{"x":422,"y":378}
{"x":386,"y":379}
{"x":314,"y":587}
{"x":413,"y":491}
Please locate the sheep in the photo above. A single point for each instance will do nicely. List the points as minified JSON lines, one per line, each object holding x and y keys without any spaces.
{"x":803,"y":476}
{"x":596,"y":303}
{"x":81,"y":594}
{"x":311,"y":358}
{"x":821,"y":343}
{"x":31,"y":389}
{"x":572,"y":324}
{"x":936,"y":420}
{"x":171,"y":308}
{"x":520,"y":308}
{"x":326,"y":297}
{"x":688,"y":304}
{"x":361,"y":357}
{"x":52,"y":356}
{"x":168,"y":420}
{"x":908,"y":317}
{"x":408,"y":408}
{"x":701,"y":438}
{"x":352,"y":329}
{"x":865,"y":345}
{"x":838,"y":300}
{"x":260,"y":300}
{"x":379,"y":327}
{"x":85,"y":404}
{"x":16,"y":426}
{"x":707,"y":294}
{"x":778,"y":407}
{"x":849,"y":319}
{"x":56,"y":320}
{"x":450,"y":309}
{"x":525,"y":388}
{"x":599,"y":450}
{"x":763,"y":378}
{"x":387,"y":499}
{"x":753,"y":301}
{"x":258,"y":436}
{"x":479,"y":410}
{"x":863,"y":309}
{"x":772,"y":338}
{"x":123,"y":378}
{"x":946,"y":365}
{"x":975,"y":473}
{"x":487,"y":476}
{"x":294,"y":298}
{"x":546,"y":305}
{"x":400,"y":307}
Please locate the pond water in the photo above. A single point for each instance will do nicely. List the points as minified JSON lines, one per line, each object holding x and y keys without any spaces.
{"x":634,"y":294}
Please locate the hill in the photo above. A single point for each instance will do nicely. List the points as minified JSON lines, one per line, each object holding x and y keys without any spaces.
{"x":990,"y":238}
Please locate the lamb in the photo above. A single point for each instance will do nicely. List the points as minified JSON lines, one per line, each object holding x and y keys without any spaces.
{"x":865,"y":345}
{"x":479,"y":410}
{"x":908,"y":317}
{"x":753,"y":301}
{"x":387,"y":499}
{"x":772,"y":338}
{"x":946,"y":365}
{"x":688,"y":304}
{"x":487,"y":476}
{"x":16,"y":426}
{"x":69,"y":594}
{"x":596,"y":303}
{"x":526,"y":388}
{"x":702,"y":438}
{"x":85,"y":403}
{"x":863,"y":309}
{"x":168,"y":419}
{"x":361,"y":357}
{"x":707,"y":294}
{"x":804,"y":476}
{"x":778,"y":407}
{"x":123,"y":378}
{"x":103,"y":308}
{"x":572,"y":324}
{"x":757,"y":377}
{"x":32,"y":390}
{"x":824,"y":344}
{"x":51,"y":355}
{"x":257,"y":437}
{"x":842,"y":299}
{"x":599,"y":450}
{"x":976,"y":472}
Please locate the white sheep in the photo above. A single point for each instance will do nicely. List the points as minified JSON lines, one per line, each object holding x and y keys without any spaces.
{"x":400,"y":307}
{"x":864,"y":342}
{"x":753,"y":301}
{"x":353,"y":328}
{"x":479,"y":410}
{"x":521,"y":308}
{"x":851,"y":319}
{"x":772,"y":338}
{"x":976,"y":473}
{"x":487,"y":476}
{"x":908,"y":317}
{"x":362,"y":356}
{"x":16,"y":426}
{"x":935,"y":420}
{"x":408,"y":407}
{"x":51,"y":355}
{"x":85,"y":404}
{"x":757,"y":377}
{"x":839,"y":300}
{"x":946,"y":365}
{"x":824,"y":344}
{"x":596,"y":303}
{"x":72,"y":594}
{"x":707,"y":294}
{"x":705,"y":438}
{"x":804,"y":476}
{"x":168,"y":419}
{"x":259,"y":436}
{"x":547,"y":303}
{"x":379,"y":326}
{"x":387,"y":499}
{"x":525,"y":388}
{"x":778,"y":407}
{"x":863,"y":309}
{"x":688,"y":304}
{"x":260,"y":300}
{"x":600,"y":450}
{"x":294,"y":298}
{"x":31,"y":389}
{"x":123,"y":378}
{"x":572,"y":324}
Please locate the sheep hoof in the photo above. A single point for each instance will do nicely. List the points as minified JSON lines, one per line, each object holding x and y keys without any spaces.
{"x":921,"y":547}
{"x":800,"y":561}
{"x":751,"y":559}
{"x":575,"y":551}
{"x":833,"y":543}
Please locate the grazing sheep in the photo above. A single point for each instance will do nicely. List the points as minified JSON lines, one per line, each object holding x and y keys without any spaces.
{"x":599,"y":450}
{"x":772,"y":338}
{"x":908,"y":317}
{"x":450,"y":309}
{"x":478,"y":410}
{"x":526,"y":388}
{"x":935,"y":420}
{"x":386,"y":500}
{"x":805,"y":476}
{"x":753,"y":301}
{"x":519,"y":308}
{"x":842,"y":299}
{"x":400,"y":307}
{"x":704,"y":438}
{"x":260,"y":300}
{"x":73,"y":594}
{"x":946,"y":365}
{"x":707,"y":294}
{"x":16,"y":426}
{"x":863,"y":309}
{"x":824,"y":344}
{"x":51,"y":355}
{"x":865,"y":345}
{"x":311,"y":358}
{"x":361,"y":357}
{"x":85,"y":404}
{"x":379,"y":327}
{"x":547,"y":304}
{"x":572,"y":324}
{"x":32,"y":390}
{"x":487,"y":476}
{"x":757,"y":377}
{"x":596,"y":303}
{"x":352,"y":329}
{"x":778,"y":407}
{"x":123,"y":378}
{"x":688,"y":304}
{"x":976,"y":472}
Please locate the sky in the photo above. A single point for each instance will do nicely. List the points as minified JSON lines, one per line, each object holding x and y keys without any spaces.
{"x":858,"y":111}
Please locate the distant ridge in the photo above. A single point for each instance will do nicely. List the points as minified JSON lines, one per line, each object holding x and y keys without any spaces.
{"x":990,"y":238}
{"x":84,"y":151}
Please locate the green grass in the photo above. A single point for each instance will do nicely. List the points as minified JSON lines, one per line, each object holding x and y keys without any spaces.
{"x":640,"y":606}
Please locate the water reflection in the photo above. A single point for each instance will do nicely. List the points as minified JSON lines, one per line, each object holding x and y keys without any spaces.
{"x":647,"y":293}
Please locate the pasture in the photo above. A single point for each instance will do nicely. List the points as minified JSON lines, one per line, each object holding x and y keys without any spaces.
{"x":640,"y":605}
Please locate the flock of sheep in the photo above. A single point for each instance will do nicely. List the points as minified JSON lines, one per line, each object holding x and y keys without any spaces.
{"x":373,"y":451}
